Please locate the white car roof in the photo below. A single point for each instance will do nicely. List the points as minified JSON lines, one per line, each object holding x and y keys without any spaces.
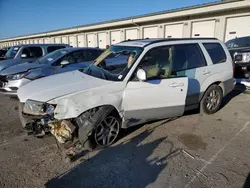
{"x":146,"y":42}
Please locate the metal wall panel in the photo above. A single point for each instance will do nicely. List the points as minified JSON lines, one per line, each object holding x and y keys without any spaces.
{"x":102,"y":40}
{"x":150,"y":32}
{"x":131,"y":34}
{"x":203,"y":29}
{"x":237,"y":27}
{"x":174,"y":31}
{"x":115,"y":37}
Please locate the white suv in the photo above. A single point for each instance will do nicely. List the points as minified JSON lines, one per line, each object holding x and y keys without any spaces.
{"x":151,"y":79}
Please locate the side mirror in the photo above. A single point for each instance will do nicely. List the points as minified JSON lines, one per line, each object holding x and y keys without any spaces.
{"x":141,"y":75}
{"x":24,"y":56}
{"x":64,"y":63}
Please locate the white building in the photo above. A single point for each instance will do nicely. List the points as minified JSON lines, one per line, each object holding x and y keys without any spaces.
{"x":224,"y":20}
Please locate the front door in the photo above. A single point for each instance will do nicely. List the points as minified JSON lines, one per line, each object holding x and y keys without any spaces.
{"x":154,"y":99}
{"x":162,"y":95}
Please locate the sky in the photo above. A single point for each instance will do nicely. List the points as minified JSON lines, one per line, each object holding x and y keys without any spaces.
{"x":21,"y":17}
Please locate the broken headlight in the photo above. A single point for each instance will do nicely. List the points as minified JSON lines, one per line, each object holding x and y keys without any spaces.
{"x":38,"y":108}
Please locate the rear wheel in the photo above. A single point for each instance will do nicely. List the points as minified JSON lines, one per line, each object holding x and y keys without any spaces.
{"x":211,"y":100}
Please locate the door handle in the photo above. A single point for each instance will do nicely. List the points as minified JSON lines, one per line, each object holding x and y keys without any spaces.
{"x":206,"y":72}
{"x":176,"y":85}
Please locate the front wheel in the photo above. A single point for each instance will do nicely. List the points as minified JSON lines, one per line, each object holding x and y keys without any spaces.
{"x":211,"y":100}
{"x":107,"y":131}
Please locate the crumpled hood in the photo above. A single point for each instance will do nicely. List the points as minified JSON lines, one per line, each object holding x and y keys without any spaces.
{"x":23,"y":67}
{"x":7,"y":63}
{"x":58,"y":85}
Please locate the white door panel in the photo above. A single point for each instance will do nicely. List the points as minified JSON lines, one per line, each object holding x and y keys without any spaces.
{"x":203,"y":29}
{"x":150,"y":32}
{"x":174,"y":31}
{"x":72,"y":41}
{"x":102,"y":40}
{"x":115,"y":37}
{"x":237,"y":27}
{"x":40,"y":41}
{"x":91,"y":40}
{"x":65,"y":40}
{"x":58,"y":40}
{"x":155,"y":99}
{"x":80,"y":40}
{"x":131,"y":34}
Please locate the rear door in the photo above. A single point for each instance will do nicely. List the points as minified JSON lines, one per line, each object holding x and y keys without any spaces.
{"x":161,"y":95}
{"x":30,"y":54}
{"x":188,"y":60}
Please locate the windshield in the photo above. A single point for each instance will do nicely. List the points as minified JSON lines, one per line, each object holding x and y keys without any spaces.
{"x":238,"y":42}
{"x":114,"y":63}
{"x":49,"y":58}
{"x":11,"y":53}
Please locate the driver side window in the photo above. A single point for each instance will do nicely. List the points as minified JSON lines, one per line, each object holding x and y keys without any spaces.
{"x":73,"y":57}
{"x":157,"y":63}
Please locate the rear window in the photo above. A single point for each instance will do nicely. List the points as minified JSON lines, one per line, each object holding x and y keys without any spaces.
{"x":53,"y":48}
{"x":216,"y":52}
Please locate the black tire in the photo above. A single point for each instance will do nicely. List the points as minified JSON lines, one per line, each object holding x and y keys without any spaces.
{"x":24,"y":121}
{"x":211,"y":100}
{"x":89,"y":126}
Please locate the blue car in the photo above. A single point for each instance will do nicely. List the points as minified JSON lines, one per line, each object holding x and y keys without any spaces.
{"x":59,"y":61}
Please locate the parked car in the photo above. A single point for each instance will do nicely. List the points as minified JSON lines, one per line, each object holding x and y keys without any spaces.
{"x":27,"y":53}
{"x":3,"y":51}
{"x":59,"y":61}
{"x":159,"y":78}
{"x":239,"y":49}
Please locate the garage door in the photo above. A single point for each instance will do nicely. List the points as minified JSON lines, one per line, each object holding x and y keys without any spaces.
{"x":40,"y":41}
{"x":203,"y":29}
{"x":72,"y":41}
{"x":115,"y":37}
{"x":131,"y":34}
{"x":58,"y":40}
{"x":150,"y":32}
{"x":80,"y":40}
{"x":91,"y":42}
{"x":174,"y":31}
{"x":65,"y":40}
{"x":237,"y":27}
{"x":102,"y":40}
{"x":47,"y":41}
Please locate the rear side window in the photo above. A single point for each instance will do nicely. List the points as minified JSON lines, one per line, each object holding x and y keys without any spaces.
{"x":53,"y":48}
{"x":187,"y":56}
{"x":32,"y":52}
{"x":92,"y":54}
{"x":216,"y":52}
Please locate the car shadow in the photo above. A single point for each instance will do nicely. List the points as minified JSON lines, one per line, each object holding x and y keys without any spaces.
{"x":239,"y":88}
{"x":247,"y":182}
{"x":131,"y":163}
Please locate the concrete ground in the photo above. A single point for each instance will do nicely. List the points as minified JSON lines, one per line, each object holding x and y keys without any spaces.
{"x":192,"y":151}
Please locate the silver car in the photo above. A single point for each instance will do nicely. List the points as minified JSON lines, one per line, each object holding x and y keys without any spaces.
{"x":27,"y":53}
{"x":59,"y":61}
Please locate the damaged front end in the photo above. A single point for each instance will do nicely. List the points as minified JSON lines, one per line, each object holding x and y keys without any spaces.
{"x":40,"y":120}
